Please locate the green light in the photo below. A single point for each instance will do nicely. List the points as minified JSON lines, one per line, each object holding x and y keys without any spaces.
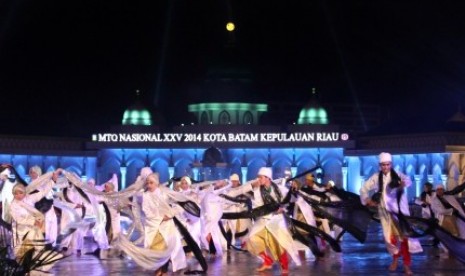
{"x":311,"y":113}
{"x":313,"y":116}
{"x":137,"y":117}
{"x":145,"y":115}
{"x":126,"y":115}
{"x":227,"y":106}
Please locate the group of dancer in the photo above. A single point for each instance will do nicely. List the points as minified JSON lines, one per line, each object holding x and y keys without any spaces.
{"x":277,"y":220}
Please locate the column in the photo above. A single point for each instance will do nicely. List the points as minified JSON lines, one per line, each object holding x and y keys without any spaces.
{"x":123,"y":171}
{"x":171,"y":171}
{"x":344,"y":177}
{"x":195,"y":173}
{"x":418,"y":185}
{"x":444,"y":181}
{"x":244,"y":174}
{"x":431,"y":179}
{"x":318,"y":174}
{"x":293,"y":171}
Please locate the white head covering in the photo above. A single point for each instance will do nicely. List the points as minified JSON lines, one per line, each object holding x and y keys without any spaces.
{"x":188,"y":180}
{"x":385,"y":157}
{"x":265,"y":171}
{"x":91,"y":182}
{"x":36,"y":169}
{"x":439,"y":186}
{"x":19,"y":187}
{"x":156,"y":176}
{"x":234,"y":177}
{"x":145,"y":171}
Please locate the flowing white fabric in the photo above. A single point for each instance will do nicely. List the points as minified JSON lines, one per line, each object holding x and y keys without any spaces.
{"x":389,"y":206}
{"x":7,"y":198}
{"x":440,"y":211}
{"x":51,"y":221}
{"x":232,"y":224}
{"x":73,"y":218}
{"x":115,"y":201}
{"x":425,"y":211}
{"x":146,"y":258}
{"x":211,"y":212}
{"x":135,"y":215}
{"x":274,"y":223}
{"x":155,"y":206}
{"x":40,"y":183}
{"x":24,"y":227}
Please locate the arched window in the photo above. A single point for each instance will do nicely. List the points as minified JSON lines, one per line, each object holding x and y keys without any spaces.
{"x":247,"y":119}
{"x":224,"y":118}
{"x":204,"y":118}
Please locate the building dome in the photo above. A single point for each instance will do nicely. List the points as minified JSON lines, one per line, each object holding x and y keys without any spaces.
{"x":137,"y":114}
{"x":313,"y":113}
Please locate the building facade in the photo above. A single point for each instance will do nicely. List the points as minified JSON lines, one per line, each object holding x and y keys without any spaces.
{"x":207,"y":150}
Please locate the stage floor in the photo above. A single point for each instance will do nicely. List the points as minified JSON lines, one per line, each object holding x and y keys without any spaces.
{"x":370,"y":258}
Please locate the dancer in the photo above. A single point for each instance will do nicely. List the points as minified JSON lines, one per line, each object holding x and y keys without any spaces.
{"x":70,"y":197}
{"x":450,"y":214}
{"x":237,"y":228}
{"x":389,"y":186}
{"x":160,"y":231}
{"x":269,"y":236}
{"x":28,"y":222}
{"x":8,"y":178}
{"x":45,"y":205}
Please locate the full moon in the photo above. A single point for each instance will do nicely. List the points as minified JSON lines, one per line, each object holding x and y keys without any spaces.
{"x":230,"y":26}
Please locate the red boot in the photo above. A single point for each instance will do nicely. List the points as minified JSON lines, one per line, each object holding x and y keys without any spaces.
{"x":284,"y":261}
{"x":267,"y":262}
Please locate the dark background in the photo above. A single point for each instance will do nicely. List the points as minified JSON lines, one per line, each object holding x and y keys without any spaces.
{"x":70,"y":68}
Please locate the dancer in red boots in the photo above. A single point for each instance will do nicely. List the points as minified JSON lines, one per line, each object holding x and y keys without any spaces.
{"x":269,"y":236}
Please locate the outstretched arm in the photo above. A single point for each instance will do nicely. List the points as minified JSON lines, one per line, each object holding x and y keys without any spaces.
{"x":460,"y":188}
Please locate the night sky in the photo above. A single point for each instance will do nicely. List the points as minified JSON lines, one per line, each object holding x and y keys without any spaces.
{"x":70,"y":68}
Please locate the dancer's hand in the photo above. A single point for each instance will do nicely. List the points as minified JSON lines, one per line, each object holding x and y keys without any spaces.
{"x":56,"y":173}
{"x":256,"y":184}
{"x":281,"y":210}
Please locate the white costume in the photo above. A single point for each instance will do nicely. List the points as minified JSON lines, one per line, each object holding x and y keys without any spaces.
{"x":236,"y":225}
{"x":76,"y":239}
{"x":155,"y":206}
{"x":192,"y":223}
{"x":6,"y":195}
{"x":51,"y":221}
{"x":274,"y":223}
{"x":211,"y":212}
{"x":425,"y":211}
{"x":440,"y":212}
{"x":24,"y":223}
{"x":389,"y":205}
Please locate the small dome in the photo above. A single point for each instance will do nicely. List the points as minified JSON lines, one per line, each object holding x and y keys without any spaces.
{"x":137,"y":115}
{"x":313,"y":113}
